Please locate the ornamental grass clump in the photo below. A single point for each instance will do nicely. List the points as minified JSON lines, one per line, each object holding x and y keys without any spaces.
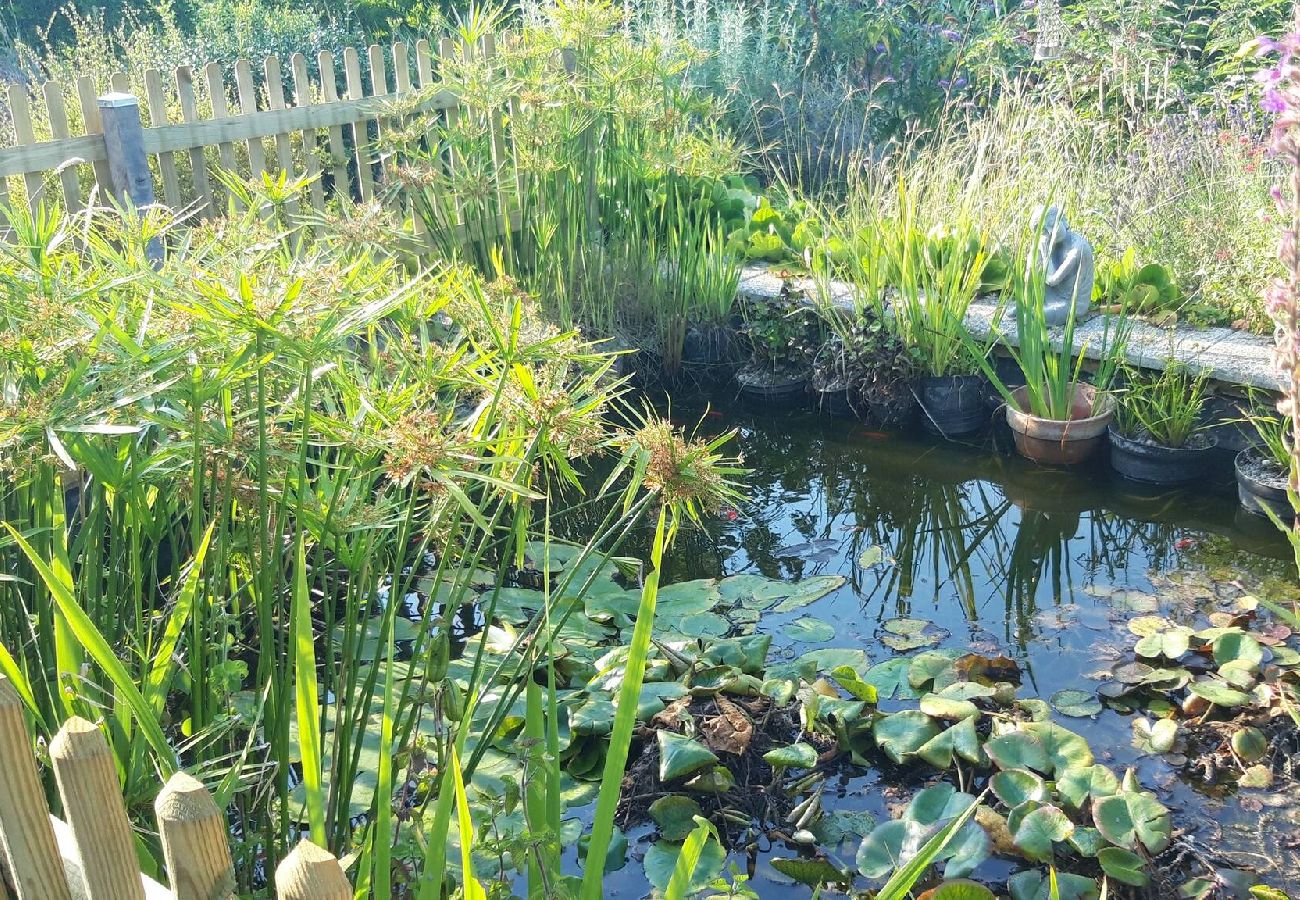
{"x":262,"y":501}
{"x":1165,"y":410}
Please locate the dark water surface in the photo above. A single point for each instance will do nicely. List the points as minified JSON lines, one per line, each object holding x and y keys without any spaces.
{"x":1005,"y":557}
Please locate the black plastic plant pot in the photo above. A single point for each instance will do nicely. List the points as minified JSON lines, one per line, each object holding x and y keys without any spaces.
{"x":1262,"y":486}
{"x":770,"y":387}
{"x":1152,"y":463}
{"x":834,"y":402}
{"x":953,"y":405}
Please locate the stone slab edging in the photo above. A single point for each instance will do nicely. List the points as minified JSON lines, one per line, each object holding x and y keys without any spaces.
{"x":1233,"y":358}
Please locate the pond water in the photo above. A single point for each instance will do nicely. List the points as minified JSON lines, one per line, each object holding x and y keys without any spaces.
{"x":1002,"y":558}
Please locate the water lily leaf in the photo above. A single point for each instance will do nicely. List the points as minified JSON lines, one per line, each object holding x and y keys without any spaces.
{"x":1130,"y":817}
{"x":1122,"y":865}
{"x":675,"y":816}
{"x":830,"y":658}
{"x":714,"y":680}
{"x":1256,"y":776}
{"x":1088,"y":841}
{"x":810,"y":589}
{"x":872,"y":556}
{"x":904,"y":625}
{"x":967,"y":690}
{"x":1239,"y":673}
{"x":1170,"y":644}
{"x":1219,"y":692}
{"x":937,"y":803}
{"x":1285,"y":656}
{"x":661,"y":859}
{"x":752,"y":591}
{"x":615,"y":853}
{"x":1034,"y":884}
{"x":685,"y":597}
{"x":958,"y":890}
{"x":811,"y":872}
{"x":1154,"y":737}
{"x":696,"y":625}
{"x":848,"y":678}
{"x":890,"y":678}
{"x":1131,"y":673}
{"x":1018,"y":750}
{"x":1134,"y":601}
{"x":944,"y":708}
{"x":1016,"y":786}
{"x":809,"y":630}
{"x":748,"y":654}
{"x":839,"y":826}
{"x":889,"y":845}
{"x":1238,"y":647}
{"x":794,"y":756}
{"x":680,"y":756}
{"x":717,"y":780}
{"x":656,"y":695}
{"x":1077,"y":704}
{"x":902,"y":643}
{"x":1250,"y":744}
{"x":1065,"y":749}
{"x":1039,"y":830}
{"x":1077,"y":784}
{"x":1038,"y":710}
{"x":369,"y":647}
{"x":900,"y":735}
{"x":932,"y":667}
{"x":593,"y":717}
{"x":969,"y":847}
{"x":1145,"y":626}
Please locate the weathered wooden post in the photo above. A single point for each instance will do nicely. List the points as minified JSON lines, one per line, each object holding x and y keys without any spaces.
{"x":92,"y":804}
{"x":25,"y":833}
{"x":311,"y":873}
{"x":193,"y":833}
{"x":128,"y":165}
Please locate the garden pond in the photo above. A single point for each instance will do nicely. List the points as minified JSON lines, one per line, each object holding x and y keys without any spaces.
{"x":941,"y":611}
{"x":962,"y":547}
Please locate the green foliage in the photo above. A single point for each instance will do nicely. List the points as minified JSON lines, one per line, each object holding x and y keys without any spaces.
{"x":1142,"y":291}
{"x":1165,"y":409}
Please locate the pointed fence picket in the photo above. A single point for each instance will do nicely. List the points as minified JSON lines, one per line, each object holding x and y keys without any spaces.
{"x":90,"y":853}
{"x":245,"y":120}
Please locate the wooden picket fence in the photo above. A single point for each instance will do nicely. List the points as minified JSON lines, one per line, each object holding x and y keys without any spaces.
{"x":91,"y":853}
{"x":242,"y":121}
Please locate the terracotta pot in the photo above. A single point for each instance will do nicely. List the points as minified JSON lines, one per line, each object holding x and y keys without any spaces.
{"x":1061,"y":442}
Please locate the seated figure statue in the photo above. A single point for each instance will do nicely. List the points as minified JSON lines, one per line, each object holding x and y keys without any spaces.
{"x":1065,"y":259}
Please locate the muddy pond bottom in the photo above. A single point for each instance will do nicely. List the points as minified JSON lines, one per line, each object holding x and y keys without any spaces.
{"x":964,"y":547}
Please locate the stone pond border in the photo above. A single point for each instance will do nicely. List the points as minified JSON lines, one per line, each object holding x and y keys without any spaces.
{"x":1235,"y":359}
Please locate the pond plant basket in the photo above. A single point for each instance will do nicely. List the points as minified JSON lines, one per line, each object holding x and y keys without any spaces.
{"x":774,"y":386}
{"x":1061,"y":442}
{"x":1152,"y":463}
{"x":1261,"y":485}
{"x":953,"y":405}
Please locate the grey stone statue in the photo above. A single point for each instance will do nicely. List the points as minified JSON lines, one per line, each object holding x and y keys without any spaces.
{"x":1065,"y":259}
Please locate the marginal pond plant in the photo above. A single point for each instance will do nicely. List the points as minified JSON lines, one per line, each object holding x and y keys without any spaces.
{"x":1166,"y":409}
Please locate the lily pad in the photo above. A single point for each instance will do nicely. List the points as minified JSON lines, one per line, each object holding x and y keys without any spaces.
{"x":1018,"y":750}
{"x":871,"y":556}
{"x":1016,"y":786}
{"x":675,"y":816}
{"x":1065,"y":749}
{"x":809,"y":590}
{"x":943,"y":708}
{"x":1219,"y":692}
{"x":717,"y":780}
{"x":1122,"y":865}
{"x":847,"y":677}
{"x":809,"y":630}
{"x":1077,"y":704}
{"x":749,"y":654}
{"x":830,"y":658}
{"x":890,"y":678}
{"x":1154,"y":737}
{"x":900,"y":735}
{"x":1034,"y":884}
{"x":961,"y":739}
{"x":1130,"y":817}
{"x":1039,"y":830}
{"x":959,"y":890}
{"x":1250,"y":744}
{"x":794,"y":756}
{"x":1238,"y":647}
{"x":811,"y":872}
{"x":1077,"y":784}
{"x":889,"y":845}
{"x":680,"y":756}
{"x":661,"y":860}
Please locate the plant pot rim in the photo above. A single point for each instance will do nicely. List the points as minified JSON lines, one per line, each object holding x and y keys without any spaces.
{"x":1081,"y":428}
{"x":1208,"y":442}
{"x":1250,"y":454}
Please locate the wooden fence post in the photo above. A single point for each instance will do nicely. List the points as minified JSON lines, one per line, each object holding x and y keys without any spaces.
{"x":193,"y":833}
{"x":25,"y":832}
{"x":128,"y":165}
{"x":92,"y":804}
{"x":311,"y":873}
